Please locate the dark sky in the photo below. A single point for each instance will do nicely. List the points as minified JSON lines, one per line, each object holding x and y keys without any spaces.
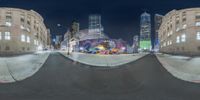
{"x":120,"y":18}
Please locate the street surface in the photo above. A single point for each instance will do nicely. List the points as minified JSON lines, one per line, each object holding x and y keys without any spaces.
{"x":62,"y":79}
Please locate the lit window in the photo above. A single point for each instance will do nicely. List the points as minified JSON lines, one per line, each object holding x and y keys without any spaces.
{"x":8,"y":24}
{"x":22,"y":27}
{"x":28,"y":29}
{"x":183,"y":38}
{"x":164,"y":44}
{"x":8,"y":20}
{"x":7,"y":35}
{"x":28,"y":39}
{"x":197,"y":23}
{"x":170,"y":33}
{"x":184,"y":26}
{"x":198,"y":35}
{"x":35,"y":42}
{"x":23,"y":38}
{"x":170,"y":42}
{"x":0,"y":36}
{"x":177,"y":29}
{"x":177,"y":39}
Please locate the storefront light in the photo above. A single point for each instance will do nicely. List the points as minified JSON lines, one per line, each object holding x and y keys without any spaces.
{"x":123,"y":48}
{"x":81,"y":48}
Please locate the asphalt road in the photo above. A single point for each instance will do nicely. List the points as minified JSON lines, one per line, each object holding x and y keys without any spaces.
{"x":62,"y":79}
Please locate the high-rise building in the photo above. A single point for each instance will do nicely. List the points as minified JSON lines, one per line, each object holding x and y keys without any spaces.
{"x":75,"y":27}
{"x":49,"y":38}
{"x":157,"y":23}
{"x":95,"y":24}
{"x":135,"y":43}
{"x":145,"y":31}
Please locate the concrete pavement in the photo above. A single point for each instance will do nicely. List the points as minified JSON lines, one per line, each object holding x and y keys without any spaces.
{"x":103,"y":60}
{"x":182,"y":67}
{"x":61,"y":79}
{"x":18,"y":68}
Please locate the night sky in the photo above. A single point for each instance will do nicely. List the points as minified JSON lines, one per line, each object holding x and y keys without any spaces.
{"x":120,"y":18}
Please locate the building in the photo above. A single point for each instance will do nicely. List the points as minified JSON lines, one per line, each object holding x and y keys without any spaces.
{"x":74,"y":29}
{"x":21,"y":31}
{"x":57,"y":41}
{"x":49,"y":40}
{"x":157,"y":23}
{"x":145,"y":32}
{"x":135,"y":45}
{"x":179,"y":32}
{"x":95,"y":25}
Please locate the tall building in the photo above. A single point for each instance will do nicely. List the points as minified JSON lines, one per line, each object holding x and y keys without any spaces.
{"x":75,"y":27}
{"x":95,"y":25}
{"x":145,"y":31}
{"x":135,"y":45}
{"x":49,"y":42}
{"x":21,"y":31}
{"x":157,"y":23}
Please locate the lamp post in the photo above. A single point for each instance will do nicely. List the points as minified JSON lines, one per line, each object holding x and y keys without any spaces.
{"x":68,"y":40}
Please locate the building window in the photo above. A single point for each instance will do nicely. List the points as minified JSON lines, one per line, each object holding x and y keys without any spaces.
{"x":197,"y":23}
{"x":7,"y":36}
{"x":8,"y":24}
{"x":35,"y":42}
{"x":183,"y":16}
{"x":8,"y":21}
{"x":28,"y":29}
{"x":22,"y":19}
{"x":183,"y":38}
{"x":0,"y":36}
{"x":184,"y":26}
{"x":197,"y":16}
{"x":28,"y":22}
{"x":177,"y":39}
{"x":164,"y":44}
{"x":177,"y":29}
{"x":22,"y":27}
{"x":28,"y":39}
{"x":198,"y":48}
{"x":170,"y":42}
{"x":198,"y":35}
{"x":23,"y":38}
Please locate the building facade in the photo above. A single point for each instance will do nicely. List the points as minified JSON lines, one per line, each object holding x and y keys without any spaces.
{"x":135,"y":45}
{"x":145,"y":31}
{"x":95,"y":25}
{"x":157,"y":23}
{"x":49,"y":40}
{"x":21,"y":31}
{"x":180,"y":32}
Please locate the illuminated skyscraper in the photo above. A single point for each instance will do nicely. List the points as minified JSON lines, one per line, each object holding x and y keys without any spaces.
{"x":145,"y":31}
{"x":95,"y":24}
{"x":157,"y":22}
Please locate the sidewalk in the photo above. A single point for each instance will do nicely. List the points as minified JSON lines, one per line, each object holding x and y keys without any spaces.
{"x":185,"y":68}
{"x":18,"y":68}
{"x":103,"y":60}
